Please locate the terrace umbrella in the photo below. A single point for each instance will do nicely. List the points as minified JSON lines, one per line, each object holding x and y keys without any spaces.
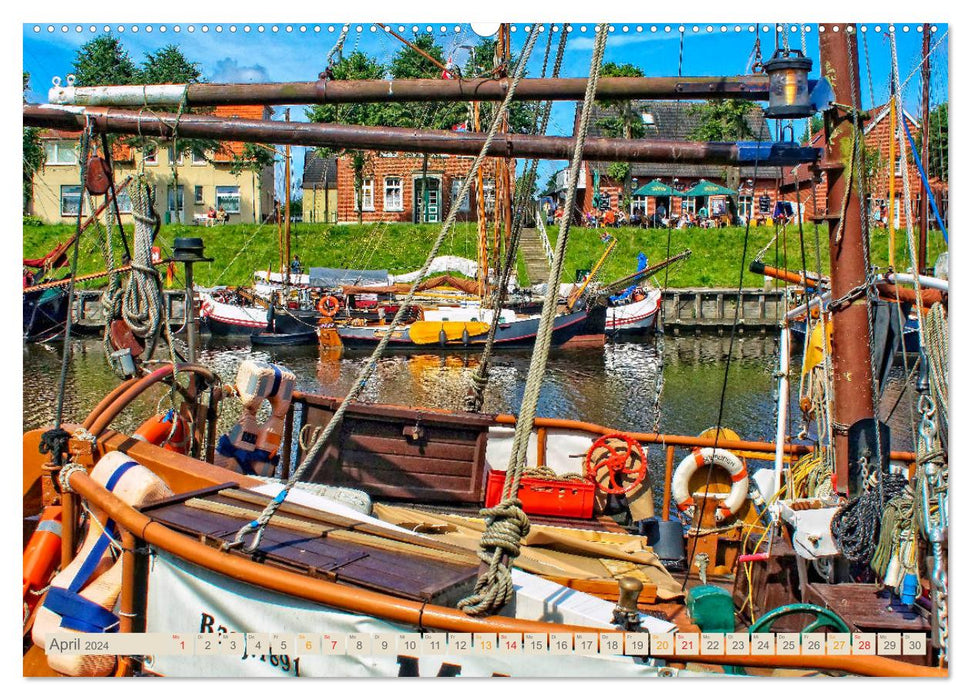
{"x":656,"y":188}
{"x":707,"y":189}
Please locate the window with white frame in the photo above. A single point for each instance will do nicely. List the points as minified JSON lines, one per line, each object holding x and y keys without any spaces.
{"x":365,"y":199}
{"x":198,"y":157}
{"x":227,"y":197}
{"x":393,"y":194}
{"x":199,"y":197}
{"x":60,"y":153}
{"x":898,"y":166}
{"x":457,"y":184}
{"x":70,"y":200}
{"x":176,"y":198}
{"x":489,"y":194}
{"x":150,"y":154}
{"x":172,"y":157}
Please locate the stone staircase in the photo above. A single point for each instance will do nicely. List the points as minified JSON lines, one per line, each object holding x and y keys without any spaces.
{"x":534,"y":255}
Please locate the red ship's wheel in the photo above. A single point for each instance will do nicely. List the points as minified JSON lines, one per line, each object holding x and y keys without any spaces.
{"x":624,"y":459}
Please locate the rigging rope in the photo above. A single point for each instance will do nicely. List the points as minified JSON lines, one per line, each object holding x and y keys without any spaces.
{"x":506,"y":523}
{"x":476,"y":395}
{"x":310,"y":458}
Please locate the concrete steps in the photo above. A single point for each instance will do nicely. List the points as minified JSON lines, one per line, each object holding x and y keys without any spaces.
{"x":534,"y":255}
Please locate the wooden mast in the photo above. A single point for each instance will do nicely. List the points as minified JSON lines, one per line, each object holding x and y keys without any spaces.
{"x":925,"y":120}
{"x":286,"y":210}
{"x":852,"y":370}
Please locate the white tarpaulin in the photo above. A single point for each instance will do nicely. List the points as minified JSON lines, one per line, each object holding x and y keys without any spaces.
{"x":184,"y":598}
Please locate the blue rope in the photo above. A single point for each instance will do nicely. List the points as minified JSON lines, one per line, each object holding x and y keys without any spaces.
{"x":923,"y":176}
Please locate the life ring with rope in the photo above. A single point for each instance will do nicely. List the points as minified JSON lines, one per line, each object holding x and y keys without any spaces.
{"x":166,"y":430}
{"x":328,"y":305}
{"x":703,"y":457}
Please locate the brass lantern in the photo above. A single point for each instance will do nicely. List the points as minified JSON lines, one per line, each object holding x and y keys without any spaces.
{"x":788,"y":72}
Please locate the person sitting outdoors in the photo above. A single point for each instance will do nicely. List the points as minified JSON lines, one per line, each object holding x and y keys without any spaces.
{"x":212,"y":216}
{"x":222,"y":216}
{"x":609,"y":218}
{"x":296,"y":267}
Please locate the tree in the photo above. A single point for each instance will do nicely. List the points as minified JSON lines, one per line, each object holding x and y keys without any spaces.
{"x":815,"y":125}
{"x":623,"y":122}
{"x":169,"y":65}
{"x":723,"y":120}
{"x":481,"y":63}
{"x":356,"y":66}
{"x":33,"y":155}
{"x":937,"y":145}
{"x":104,"y":61}
{"x":409,"y":64}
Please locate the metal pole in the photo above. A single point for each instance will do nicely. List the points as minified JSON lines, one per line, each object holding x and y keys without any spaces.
{"x":345,"y":136}
{"x":852,"y":371}
{"x":190,"y":314}
{"x":750,"y":87}
{"x":925,"y":120}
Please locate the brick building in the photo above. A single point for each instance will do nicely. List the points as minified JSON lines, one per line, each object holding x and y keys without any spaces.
{"x":391,"y":188}
{"x":757,"y":189}
{"x":876,"y":138}
{"x":204,"y":179}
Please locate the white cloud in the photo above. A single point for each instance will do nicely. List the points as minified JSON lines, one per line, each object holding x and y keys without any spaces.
{"x":228,"y":70}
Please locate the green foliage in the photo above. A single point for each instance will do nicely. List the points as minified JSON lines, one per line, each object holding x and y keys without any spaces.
{"x":481,"y":63}
{"x":255,"y":158}
{"x":33,"y":221}
{"x":723,"y":120}
{"x":33,"y":155}
{"x":625,"y":122}
{"x":937,"y":145}
{"x":354,"y":66}
{"x":104,"y":61}
{"x":168,"y":65}
{"x":715,"y":260}
{"x":409,"y":64}
{"x":815,"y":124}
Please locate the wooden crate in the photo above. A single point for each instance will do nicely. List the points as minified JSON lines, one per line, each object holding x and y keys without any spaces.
{"x":400,"y":453}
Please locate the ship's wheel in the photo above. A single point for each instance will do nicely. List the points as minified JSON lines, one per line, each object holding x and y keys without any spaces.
{"x":622,"y":457}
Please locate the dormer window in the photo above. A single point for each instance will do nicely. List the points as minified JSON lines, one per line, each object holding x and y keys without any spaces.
{"x":648,"y":119}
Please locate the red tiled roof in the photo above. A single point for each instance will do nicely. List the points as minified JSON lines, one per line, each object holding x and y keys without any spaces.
{"x":235,"y":149}
{"x":120,"y":152}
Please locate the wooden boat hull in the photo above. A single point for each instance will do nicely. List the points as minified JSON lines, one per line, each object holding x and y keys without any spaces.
{"x":584,"y":328}
{"x":269,"y":339}
{"x":45,"y":313}
{"x":634,"y":317}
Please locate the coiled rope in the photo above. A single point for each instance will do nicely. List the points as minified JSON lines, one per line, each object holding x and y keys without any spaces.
{"x":506,"y":523}
{"x":259,"y":524}
{"x":856,"y":526}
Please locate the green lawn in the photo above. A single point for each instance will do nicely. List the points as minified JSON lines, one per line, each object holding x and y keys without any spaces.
{"x":715,"y":261}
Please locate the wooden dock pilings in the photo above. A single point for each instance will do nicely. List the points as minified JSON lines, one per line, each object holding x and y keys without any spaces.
{"x":685,"y":309}
{"x":88,"y":312}
{"x":704,"y":309}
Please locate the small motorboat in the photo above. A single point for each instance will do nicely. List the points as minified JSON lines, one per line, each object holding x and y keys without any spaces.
{"x":302,"y":338}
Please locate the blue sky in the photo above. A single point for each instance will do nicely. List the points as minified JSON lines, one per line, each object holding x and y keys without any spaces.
{"x":299,"y":54}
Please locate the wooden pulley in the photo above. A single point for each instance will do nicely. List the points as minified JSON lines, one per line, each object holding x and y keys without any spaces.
{"x":121,"y":337}
{"x":97,"y":176}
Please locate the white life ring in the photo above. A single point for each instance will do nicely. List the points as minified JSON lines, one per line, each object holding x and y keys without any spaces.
{"x":721,"y":458}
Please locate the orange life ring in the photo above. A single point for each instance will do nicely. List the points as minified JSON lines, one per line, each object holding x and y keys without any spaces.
{"x":328,"y":305}
{"x":41,"y":557}
{"x":159,"y":430}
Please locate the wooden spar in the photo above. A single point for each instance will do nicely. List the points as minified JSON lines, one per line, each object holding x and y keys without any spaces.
{"x":852,"y":369}
{"x":286,"y":211}
{"x":641,"y":274}
{"x":925,"y":122}
{"x":162,"y":125}
{"x":749,"y":87}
